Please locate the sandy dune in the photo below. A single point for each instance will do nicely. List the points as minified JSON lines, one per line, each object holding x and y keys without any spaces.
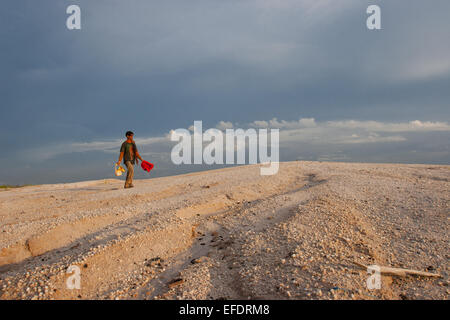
{"x":231,"y":234}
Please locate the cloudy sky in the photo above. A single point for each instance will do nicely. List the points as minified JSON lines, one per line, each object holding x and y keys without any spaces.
{"x":311,"y":68}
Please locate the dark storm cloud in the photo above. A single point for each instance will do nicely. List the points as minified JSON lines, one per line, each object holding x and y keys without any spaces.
{"x":158,"y":65}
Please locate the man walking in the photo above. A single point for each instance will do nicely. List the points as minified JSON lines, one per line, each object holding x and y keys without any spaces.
{"x":130,"y":156}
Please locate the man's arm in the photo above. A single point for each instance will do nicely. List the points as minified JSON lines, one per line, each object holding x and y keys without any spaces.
{"x":139,"y":156}
{"x":120,"y":158}
{"x":137,"y":153}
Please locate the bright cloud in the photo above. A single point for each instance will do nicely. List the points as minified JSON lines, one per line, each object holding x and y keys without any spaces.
{"x":292,"y":132}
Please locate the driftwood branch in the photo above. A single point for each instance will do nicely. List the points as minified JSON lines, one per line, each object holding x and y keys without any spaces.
{"x":401,"y":272}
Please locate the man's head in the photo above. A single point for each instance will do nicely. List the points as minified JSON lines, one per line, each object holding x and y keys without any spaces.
{"x":129,"y":135}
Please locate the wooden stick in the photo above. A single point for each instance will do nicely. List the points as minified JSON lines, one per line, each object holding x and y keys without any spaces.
{"x":401,"y":272}
{"x":175,"y":283}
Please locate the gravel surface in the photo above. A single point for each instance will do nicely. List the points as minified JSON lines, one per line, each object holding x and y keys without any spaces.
{"x":231,"y":234}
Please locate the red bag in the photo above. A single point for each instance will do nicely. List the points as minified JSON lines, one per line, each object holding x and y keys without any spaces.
{"x":147,"y":166}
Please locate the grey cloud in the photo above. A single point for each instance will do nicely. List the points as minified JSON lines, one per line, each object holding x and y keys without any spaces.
{"x":304,"y":130}
{"x":151,"y":66}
